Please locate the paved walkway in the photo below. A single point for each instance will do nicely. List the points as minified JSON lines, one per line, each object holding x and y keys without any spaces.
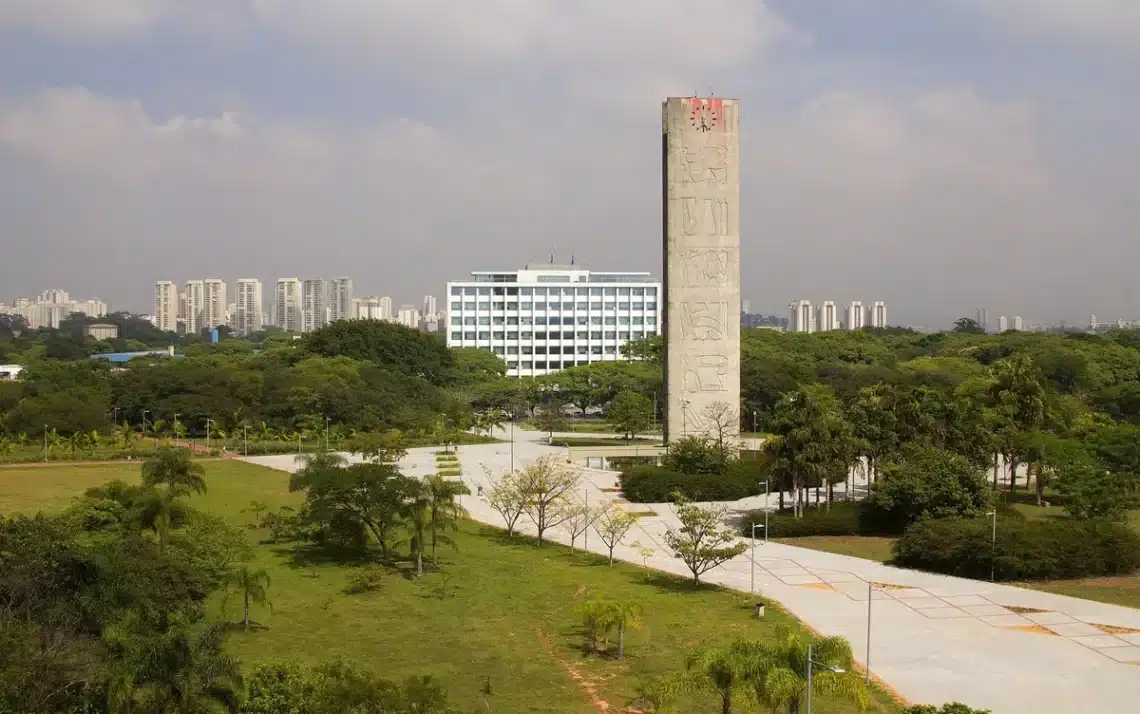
{"x":933,"y":638}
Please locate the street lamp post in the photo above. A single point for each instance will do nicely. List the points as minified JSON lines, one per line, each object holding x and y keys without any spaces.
{"x":767,"y":501}
{"x":810,"y":662}
{"x":752,"y":567}
{"x":512,"y":443}
{"x":993,"y":545}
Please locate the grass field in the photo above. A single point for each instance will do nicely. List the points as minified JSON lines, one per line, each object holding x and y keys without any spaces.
{"x":500,"y":610}
{"x":585,"y":426}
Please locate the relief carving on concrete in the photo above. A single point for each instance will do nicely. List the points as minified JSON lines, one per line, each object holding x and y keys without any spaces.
{"x":704,"y":320}
{"x":704,"y":217}
{"x":704,"y":268}
{"x":704,"y":373}
{"x":704,"y":164}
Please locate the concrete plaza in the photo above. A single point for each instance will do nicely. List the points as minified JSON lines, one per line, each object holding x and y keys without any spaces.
{"x":933,"y":638}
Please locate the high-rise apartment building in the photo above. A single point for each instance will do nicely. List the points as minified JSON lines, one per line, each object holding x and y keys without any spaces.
{"x":803,"y":317}
{"x":550,"y":318}
{"x":1003,"y":324}
{"x":430,"y":310}
{"x":340,"y":299}
{"x":367,"y":308}
{"x":386,"y":308}
{"x":855,"y":318}
{"x":195,"y":298}
{"x":166,"y":306}
{"x":213,"y":303}
{"x":247,"y":307}
{"x":409,"y":316}
{"x":287,"y":305}
{"x":879,"y":314}
{"x":1017,"y":323}
{"x":314,"y":304}
{"x":828,"y":317}
{"x":983,"y":319}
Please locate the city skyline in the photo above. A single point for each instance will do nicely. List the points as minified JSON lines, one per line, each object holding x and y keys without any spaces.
{"x":891,"y":145}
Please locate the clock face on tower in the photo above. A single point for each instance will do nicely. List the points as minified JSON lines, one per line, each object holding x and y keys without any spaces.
{"x":704,"y":115}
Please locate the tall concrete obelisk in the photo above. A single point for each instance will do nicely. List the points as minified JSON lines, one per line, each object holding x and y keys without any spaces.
{"x":701,"y":166}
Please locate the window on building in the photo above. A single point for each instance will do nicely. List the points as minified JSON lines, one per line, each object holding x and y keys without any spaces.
{"x":623,"y":335}
{"x":456,"y":290}
{"x":596,"y":305}
{"x":639,"y":320}
{"x":526,"y":335}
{"x":512,"y":335}
{"x":497,"y":334}
{"x":540,"y":365}
{"x":512,"y":320}
{"x":499,"y":352}
{"x":583,"y":305}
{"x":554,"y":306}
{"x":623,"y":305}
{"x":484,"y":334}
{"x":611,"y":320}
{"x":595,"y":291}
{"x":540,"y":335}
{"x":608,"y":292}
{"x":512,"y":349}
{"x":497,"y":291}
{"x":525,"y":364}
{"x":456,"y":305}
{"x":456,"y":336}
{"x":596,"y":335}
{"x":527,"y":350}
{"x":468,"y":306}
{"x":468,"y":335}
{"x":596,"y":320}
{"x":526,"y":291}
{"x":457,"y":321}
{"x":651,"y":320}
{"x":582,"y":334}
{"x":567,"y":321}
{"x":582,"y":350}
{"x":484,"y":321}
{"x":568,"y":335}
{"x":611,"y":335}
{"x":650,"y":305}
{"x":498,"y":321}
{"x":595,"y":349}
{"x":637,"y":291}
{"x":468,"y":291}
{"x":610,"y":350}
{"x":512,"y":365}
{"x":498,"y":306}
{"x":582,"y":320}
{"x":525,"y":305}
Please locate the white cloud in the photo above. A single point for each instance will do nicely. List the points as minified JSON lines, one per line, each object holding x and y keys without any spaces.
{"x":1115,"y":22}
{"x":883,"y":186}
{"x":83,"y":18}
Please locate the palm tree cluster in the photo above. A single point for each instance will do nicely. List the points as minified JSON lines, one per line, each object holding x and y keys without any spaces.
{"x":768,"y":673}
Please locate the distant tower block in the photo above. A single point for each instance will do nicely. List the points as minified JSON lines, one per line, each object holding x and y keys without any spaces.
{"x":701,"y":165}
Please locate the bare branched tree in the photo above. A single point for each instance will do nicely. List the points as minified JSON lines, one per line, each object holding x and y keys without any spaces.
{"x":545,"y":487}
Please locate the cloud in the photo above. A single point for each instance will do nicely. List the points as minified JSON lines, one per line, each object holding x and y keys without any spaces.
{"x":1112,"y":22}
{"x":74,"y":19}
{"x":849,"y":195}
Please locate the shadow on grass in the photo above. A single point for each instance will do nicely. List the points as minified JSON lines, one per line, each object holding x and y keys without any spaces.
{"x":673,"y":583}
{"x":240,"y":628}
{"x":308,"y":556}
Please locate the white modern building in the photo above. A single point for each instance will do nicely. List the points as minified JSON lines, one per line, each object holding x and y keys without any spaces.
{"x":879,"y":314}
{"x":1018,"y":324}
{"x":247,"y":307}
{"x":287,"y":305}
{"x":195,"y":297}
{"x":802,"y":318}
{"x":828,"y":317}
{"x":431,"y":309}
{"x":545,"y":319}
{"x":213,"y":304}
{"x":166,"y":305}
{"x":855,"y":318}
{"x":1003,"y":324}
{"x":340,"y":299}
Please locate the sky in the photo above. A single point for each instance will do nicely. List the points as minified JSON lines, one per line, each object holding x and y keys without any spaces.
{"x":939,"y":155}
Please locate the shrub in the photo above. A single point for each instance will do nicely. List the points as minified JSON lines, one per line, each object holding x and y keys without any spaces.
{"x":952,"y":708}
{"x":625,"y":463}
{"x":366,"y":579}
{"x":656,"y":484}
{"x":1025,"y":550}
{"x":842,"y":519}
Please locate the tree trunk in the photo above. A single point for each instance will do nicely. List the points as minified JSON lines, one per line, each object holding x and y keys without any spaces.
{"x":725,"y":703}
{"x":781,"y":499}
{"x":1013,"y":474}
{"x":245,"y":618}
{"x":1040,"y":471}
{"x":419,"y":560}
{"x":995,"y":470}
{"x":621,"y":639}
{"x":611,"y":555}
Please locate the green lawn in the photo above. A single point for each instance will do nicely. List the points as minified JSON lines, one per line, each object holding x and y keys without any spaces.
{"x":869,"y":547}
{"x":500,"y":609}
{"x":585,"y":426}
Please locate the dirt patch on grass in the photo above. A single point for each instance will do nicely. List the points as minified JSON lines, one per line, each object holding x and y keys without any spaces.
{"x":588,"y":685}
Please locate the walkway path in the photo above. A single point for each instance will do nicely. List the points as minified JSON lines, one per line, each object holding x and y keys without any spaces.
{"x":933,"y":638}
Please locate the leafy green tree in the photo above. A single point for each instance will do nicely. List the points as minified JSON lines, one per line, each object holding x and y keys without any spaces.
{"x":612,"y":526}
{"x":551,"y":417}
{"x":923,"y":482}
{"x":780,"y":675}
{"x":951,"y":708}
{"x":385,"y":343}
{"x":631,"y":414}
{"x":968,"y":325}
{"x":702,"y":542}
{"x":444,"y":511}
{"x":1016,"y":391}
{"x":544,"y":488}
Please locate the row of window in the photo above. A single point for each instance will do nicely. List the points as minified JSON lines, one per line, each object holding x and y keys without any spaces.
{"x":583,"y":350}
{"x":564,"y":364}
{"x":457,"y":321}
{"x":570,"y":291}
{"x":469,"y":336}
{"x":527,"y":305}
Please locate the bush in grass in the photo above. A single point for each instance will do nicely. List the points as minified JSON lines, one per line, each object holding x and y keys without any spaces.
{"x":365,"y":579}
{"x":952,"y":708}
{"x":656,"y":484}
{"x":1046,"y":549}
{"x":625,"y":463}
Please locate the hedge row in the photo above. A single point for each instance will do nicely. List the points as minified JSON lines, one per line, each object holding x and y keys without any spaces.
{"x":655,"y":484}
{"x":843,"y":518}
{"x":1047,"y":549}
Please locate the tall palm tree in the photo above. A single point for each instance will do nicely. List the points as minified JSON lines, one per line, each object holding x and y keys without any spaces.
{"x":175,"y":469}
{"x":444,"y":511}
{"x":254,"y":588}
{"x":624,"y":615}
{"x":160,"y":510}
